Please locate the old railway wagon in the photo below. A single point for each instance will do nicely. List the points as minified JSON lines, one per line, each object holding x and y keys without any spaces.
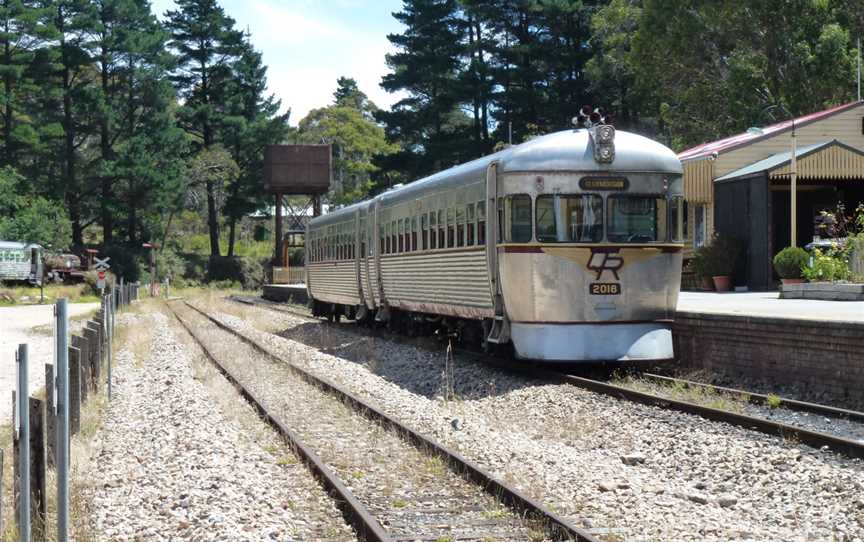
{"x":20,"y":262}
{"x":567,"y":247}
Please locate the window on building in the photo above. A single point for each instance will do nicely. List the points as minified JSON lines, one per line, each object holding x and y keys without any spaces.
{"x":574,"y":218}
{"x":700,"y":225}
{"x":636,"y":219}
{"x":517,"y":218}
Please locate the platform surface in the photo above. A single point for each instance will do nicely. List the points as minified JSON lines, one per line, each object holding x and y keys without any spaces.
{"x":769,"y":304}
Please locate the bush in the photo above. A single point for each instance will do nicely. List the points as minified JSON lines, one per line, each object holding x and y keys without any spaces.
{"x":827,"y":267}
{"x":719,"y":258}
{"x":249,"y":272}
{"x":790,"y":262}
{"x":126,"y":261}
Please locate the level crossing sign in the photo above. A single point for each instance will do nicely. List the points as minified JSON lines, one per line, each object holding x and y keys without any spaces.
{"x":101,"y":266}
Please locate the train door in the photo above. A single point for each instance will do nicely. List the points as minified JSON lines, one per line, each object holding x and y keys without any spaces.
{"x":383,"y":313}
{"x":359,"y":223}
{"x":369,"y":250}
{"x":498,"y":330}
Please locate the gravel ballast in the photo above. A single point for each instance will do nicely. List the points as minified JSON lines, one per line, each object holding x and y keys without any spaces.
{"x":622,"y":469}
{"x":413,"y":495}
{"x":171,"y":467}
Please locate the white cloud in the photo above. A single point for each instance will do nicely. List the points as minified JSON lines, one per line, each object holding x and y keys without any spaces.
{"x":308,"y":44}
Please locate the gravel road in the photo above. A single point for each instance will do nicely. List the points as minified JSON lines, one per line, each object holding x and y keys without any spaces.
{"x":17,"y":325}
{"x":173,"y":467}
{"x":625,"y":470}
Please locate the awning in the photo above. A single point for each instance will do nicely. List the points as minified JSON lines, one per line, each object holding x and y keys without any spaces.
{"x":826,"y":160}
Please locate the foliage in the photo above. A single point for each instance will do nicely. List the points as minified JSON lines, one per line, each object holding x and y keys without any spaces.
{"x":356,"y":141}
{"x":827,"y":267}
{"x":29,"y":218}
{"x":719,"y":257}
{"x":790,"y":261}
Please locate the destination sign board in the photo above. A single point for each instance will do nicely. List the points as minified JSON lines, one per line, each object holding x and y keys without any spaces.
{"x":604,"y":183}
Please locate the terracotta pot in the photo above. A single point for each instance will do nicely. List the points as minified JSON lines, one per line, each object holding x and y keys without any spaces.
{"x":792,"y":281}
{"x":723,"y":283}
{"x":707,"y":284}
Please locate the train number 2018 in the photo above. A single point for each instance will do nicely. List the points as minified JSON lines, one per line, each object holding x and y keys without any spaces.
{"x":605,"y":288}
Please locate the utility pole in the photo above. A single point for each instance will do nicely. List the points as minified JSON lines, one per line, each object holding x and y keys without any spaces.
{"x":793,"y":190}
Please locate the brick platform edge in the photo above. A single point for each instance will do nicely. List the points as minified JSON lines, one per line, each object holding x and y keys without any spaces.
{"x":820,"y":357}
{"x":286,"y":293}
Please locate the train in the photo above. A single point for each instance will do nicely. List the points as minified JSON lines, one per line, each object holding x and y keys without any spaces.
{"x":20,"y":262}
{"x":565,"y":248}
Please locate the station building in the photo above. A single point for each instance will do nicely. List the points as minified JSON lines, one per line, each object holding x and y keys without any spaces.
{"x":740,"y":185}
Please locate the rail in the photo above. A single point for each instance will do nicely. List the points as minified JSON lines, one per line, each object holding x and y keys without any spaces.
{"x":558,"y":527}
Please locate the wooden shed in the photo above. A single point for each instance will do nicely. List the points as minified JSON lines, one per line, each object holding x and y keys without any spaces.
{"x":741,"y":184}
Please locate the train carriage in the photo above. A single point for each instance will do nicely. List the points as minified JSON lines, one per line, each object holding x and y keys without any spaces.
{"x":568,"y":247}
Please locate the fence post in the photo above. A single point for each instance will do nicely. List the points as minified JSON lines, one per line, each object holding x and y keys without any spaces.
{"x":62,"y":420}
{"x":37,"y":468}
{"x":109,"y":318}
{"x":22,"y":428}
{"x":50,"y":417}
{"x":84,"y":355}
{"x":74,"y":390}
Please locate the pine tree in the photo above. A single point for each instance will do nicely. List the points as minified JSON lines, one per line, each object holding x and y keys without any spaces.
{"x":255,"y":122}
{"x":207,"y":46}
{"x":427,"y":123}
{"x":25,"y":27}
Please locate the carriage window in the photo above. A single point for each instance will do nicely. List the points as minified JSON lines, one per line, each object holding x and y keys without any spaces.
{"x":393,"y":234}
{"x":400,"y":235}
{"x":413,"y":233}
{"x":433,"y":228}
{"x":460,"y":226}
{"x":386,"y":239}
{"x":678,"y":219}
{"x":451,"y":227}
{"x":470,"y":226}
{"x":481,"y":223}
{"x":424,"y":231}
{"x":636,"y":219}
{"x":517,"y":216}
{"x":574,"y":219}
{"x":441,"y":229}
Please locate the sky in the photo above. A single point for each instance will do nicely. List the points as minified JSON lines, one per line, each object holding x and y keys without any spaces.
{"x":308,"y":44}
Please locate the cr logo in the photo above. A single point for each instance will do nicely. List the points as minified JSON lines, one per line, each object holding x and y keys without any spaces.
{"x":605,"y":259}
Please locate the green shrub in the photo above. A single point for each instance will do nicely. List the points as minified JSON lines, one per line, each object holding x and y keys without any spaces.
{"x":719,"y":258}
{"x":790,"y":262}
{"x":827,"y":267}
{"x":127,"y":262}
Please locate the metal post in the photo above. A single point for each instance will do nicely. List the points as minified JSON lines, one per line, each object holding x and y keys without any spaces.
{"x":277,"y":252}
{"x":23,"y":429}
{"x":859,"y":68}
{"x":109,"y":316}
{"x":62,"y":380}
{"x":793,"y":189}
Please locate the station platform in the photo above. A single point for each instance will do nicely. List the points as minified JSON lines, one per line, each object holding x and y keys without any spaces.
{"x":294,"y":293}
{"x":769,"y":305}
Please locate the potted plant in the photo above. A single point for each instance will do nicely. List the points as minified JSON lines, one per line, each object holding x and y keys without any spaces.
{"x":789,"y":264}
{"x":700,"y":268}
{"x":721,"y":257}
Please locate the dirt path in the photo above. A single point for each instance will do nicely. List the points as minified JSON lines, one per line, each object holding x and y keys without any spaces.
{"x":17,"y":326}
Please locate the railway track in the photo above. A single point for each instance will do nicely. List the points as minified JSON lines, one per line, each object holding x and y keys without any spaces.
{"x":816,"y":439}
{"x":460,"y":503}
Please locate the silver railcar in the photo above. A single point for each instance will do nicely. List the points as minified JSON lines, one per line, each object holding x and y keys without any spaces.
{"x":567,"y":246}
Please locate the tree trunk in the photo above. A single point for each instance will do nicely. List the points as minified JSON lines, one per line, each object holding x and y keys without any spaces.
{"x":105,"y":144}
{"x":73,"y":197}
{"x":132,"y":223}
{"x":212,"y":220}
{"x":7,"y":113}
{"x":232,"y":229}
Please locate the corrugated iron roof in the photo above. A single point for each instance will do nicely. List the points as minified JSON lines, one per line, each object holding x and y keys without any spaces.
{"x":17,"y":245}
{"x":745,"y":138}
{"x":780,"y":159}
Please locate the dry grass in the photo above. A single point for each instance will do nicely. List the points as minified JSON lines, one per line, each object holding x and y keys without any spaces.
{"x":75,"y":293}
{"x":700,"y":395}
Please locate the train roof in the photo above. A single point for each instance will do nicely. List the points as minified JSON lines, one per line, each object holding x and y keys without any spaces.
{"x":565,"y":151}
{"x":17,"y":245}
